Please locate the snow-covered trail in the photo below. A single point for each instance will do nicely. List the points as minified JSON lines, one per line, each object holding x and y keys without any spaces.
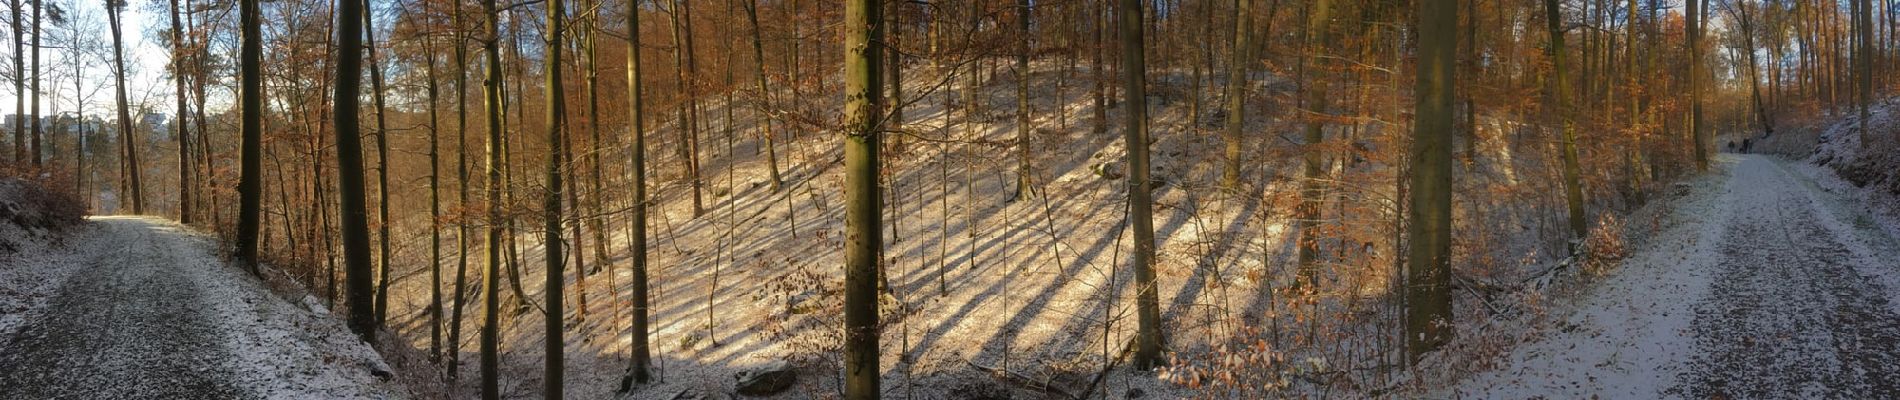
{"x":152,"y":313}
{"x":1761,"y":286}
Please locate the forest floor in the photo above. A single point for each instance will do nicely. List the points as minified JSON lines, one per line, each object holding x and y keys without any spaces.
{"x":1769,"y":282}
{"x":145,"y":309}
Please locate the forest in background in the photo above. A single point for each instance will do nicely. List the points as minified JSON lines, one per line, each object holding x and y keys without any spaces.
{"x":477,"y":168}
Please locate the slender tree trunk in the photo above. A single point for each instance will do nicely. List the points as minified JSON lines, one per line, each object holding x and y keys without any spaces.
{"x":1754,"y":75}
{"x":491,"y":276}
{"x":1312,"y":190}
{"x":184,"y":147}
{"x":251,"y":104}
{"x":1237,"y":82}
{"x":895,"y":59}
{"x":135,"y":191}
{"x":1428,"y":273}
{"x":683,"y":55}
{"x":1559,"y":98}
{"x":1864,"y":64}
{"x":1694,"y":76}
{"x":1140,"y":204}
{"x":1097,"y":70}
{"x":552,"y":384}
{"x":34,"y":49}
{"x":19,"y":84}
{"x":435,"y":203}
{"x":1023,"y":10}
{"x":641,"y":356}
{"x":597,"y":200}
{"x":765,"y":94}
{"x":382,"y":168}
{"x":460,"y":41}
{"x":863,"y":49}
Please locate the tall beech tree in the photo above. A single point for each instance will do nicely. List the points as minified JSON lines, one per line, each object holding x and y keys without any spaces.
{"x":551,"y":206}
{"x":641,"y":355}
{"x":863,"y":131}
{"x":358,"y":281}
{"x":251,"y":110}
{"x":129,"y":148}
{"x":492,"y":241}
{"x":184,"y":136}
{"x":1428,"y":272}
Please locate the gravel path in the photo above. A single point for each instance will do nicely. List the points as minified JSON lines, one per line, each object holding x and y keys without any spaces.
{"x":1798,"y":311}
{"x":1759,"y":285}
{"x":151,"y":314}
{"x":131,"y":323}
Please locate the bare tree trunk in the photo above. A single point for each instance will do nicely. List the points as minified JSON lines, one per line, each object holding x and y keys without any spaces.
{"x":1428,"y":273}
{"x":251,"y":105}
{"x":37,"y":151}
{"x":1237,"y":82}
{"x":863,"y":49}
{"x":135,"y":191}
{"x":1023,"y":10}
{"x":552,"y":385}
{"x":1559,"y":98}
{"x":460,"y":41}
{"x":382,"y":169}
{"x":1140,"y":204}
{"x":765,"y":94}
{"x":1312,"y":190}
{"x":435,"y":203}
{"x":491,"y":276}
{"x":19,"y":84}
{"x":1694,"y":25}
{"x":184,"y":137}
{"x":349,"y":157}
{"x":641,"y":356}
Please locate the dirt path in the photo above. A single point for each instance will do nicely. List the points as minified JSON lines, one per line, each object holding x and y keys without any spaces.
{"x":1760,"y":286}
{"x":1796,"y":311}
{"x":152,"y":314}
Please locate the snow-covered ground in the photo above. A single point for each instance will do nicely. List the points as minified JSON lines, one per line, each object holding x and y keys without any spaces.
{"x":150,"y":311}
{"x":1759,"y":286}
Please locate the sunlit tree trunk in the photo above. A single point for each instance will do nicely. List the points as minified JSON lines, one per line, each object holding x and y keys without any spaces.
{"x":863,"y":50}
{"x":491,"y":276}
{"x":1237,"y":71}
{"x":459,"y":36}
{"x":382,"y":168}
{"x":435,"y":202}
{"x":1558,"y":97}
{"x":641,"y":356}
{"x":1023,"y":10}
{"x":1312,"y":190}
{"x":765,"y":94}
{"x":552,"y":386}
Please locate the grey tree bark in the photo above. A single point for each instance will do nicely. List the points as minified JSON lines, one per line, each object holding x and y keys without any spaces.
{"x":1140,"y":202}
